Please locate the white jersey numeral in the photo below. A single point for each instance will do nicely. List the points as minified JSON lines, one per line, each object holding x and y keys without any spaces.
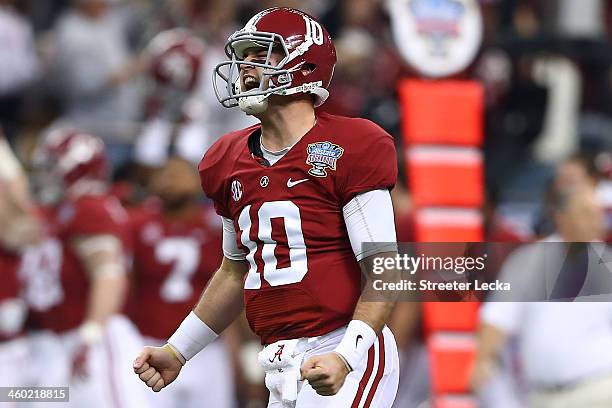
{"x":184,"y":253}
{"x":298,"y":262}
{"x":40,"y":270}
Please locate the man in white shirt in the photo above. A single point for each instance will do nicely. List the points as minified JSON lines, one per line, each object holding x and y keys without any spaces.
{"x":564,"y":348}
{"x":91,"y":69}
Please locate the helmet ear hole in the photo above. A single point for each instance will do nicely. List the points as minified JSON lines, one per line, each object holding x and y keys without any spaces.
{"x":308,"y":68}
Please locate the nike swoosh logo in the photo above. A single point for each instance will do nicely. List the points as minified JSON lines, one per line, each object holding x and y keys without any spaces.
{"x":359,"y":337}
{"x":295,"y":183}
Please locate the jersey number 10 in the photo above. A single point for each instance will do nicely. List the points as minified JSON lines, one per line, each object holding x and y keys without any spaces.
{"x":298,"y":267}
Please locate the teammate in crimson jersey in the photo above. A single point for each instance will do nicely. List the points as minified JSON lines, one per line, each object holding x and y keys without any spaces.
{"x":177,"y":246}
{"x":298,"y":194}
{"x":76,"y":279}
{"x":68,"y":225}
{"x":9,"y":290}
{"x":18,"y":227}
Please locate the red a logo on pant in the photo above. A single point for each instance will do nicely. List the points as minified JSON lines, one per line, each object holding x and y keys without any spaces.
{"x":278,"y":353}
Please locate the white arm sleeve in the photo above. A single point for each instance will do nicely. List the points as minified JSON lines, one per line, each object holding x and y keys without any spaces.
{"x":230,"y":247}
{"x":369,"y":218}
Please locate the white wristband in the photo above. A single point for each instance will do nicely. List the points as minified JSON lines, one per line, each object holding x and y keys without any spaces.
{"x":357,"y":340}
{"x":90,"y":332}
{"x":192,"y":336}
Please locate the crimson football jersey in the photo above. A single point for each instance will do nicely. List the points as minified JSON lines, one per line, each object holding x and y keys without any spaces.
{"x":58,"y":285}
{"x":173,"y":262}
{"x":10,"y":287}
{"x":8,"y":273}
{"x":303,"y":277}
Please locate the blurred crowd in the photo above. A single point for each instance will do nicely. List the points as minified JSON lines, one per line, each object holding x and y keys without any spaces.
{"x":545,"y":67}
{"x":104,"y":67}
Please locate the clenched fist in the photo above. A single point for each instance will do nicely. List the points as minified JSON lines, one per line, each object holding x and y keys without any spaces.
{"x":157,"y":367}
{"x":325,"y":373}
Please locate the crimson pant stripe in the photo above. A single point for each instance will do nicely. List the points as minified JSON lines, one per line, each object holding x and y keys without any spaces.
{"x":365,"y":378}
{"x":379,"y":372}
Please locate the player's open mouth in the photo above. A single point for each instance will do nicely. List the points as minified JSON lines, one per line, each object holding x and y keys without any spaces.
{"x":250,"y":82}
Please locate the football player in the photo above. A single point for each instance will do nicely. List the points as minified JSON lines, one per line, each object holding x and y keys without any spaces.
{"x":76,"y":279}
{"x":174,"y":59}
{"x":299,"y":194}
{"x":19,"y":227}
{"x":177,"y":244}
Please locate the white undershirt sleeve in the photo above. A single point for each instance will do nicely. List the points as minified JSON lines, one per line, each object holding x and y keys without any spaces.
{"x":230,"y":246}
{"x":369,"y":218}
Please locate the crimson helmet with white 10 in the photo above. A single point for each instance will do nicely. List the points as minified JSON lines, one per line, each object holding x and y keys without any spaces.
{"x":70,"y":161}
{"x":307,"y":64}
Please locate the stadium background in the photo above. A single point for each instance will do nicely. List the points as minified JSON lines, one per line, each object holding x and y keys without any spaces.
{"x":544,"y":68}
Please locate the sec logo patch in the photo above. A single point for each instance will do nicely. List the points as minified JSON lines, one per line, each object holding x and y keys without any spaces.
{"x":236,"y":190}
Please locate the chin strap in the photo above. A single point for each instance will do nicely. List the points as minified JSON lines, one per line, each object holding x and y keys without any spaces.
{"x":314,"y":88}
{"x":252,"y":105}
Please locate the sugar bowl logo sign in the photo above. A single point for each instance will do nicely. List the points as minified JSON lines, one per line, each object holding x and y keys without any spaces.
{"x":438,"y":37}
{"x":322,"y":156}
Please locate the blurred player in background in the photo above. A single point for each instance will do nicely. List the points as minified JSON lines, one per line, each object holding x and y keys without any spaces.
{"x":175,"y":59}
{"x":298,"y":194}
{"x":76,"y":279}
{"x":177,"y":244}
{"x":18,"y":228}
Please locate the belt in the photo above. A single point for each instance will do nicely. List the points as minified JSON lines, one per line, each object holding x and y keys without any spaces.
{"x":308,"y":343}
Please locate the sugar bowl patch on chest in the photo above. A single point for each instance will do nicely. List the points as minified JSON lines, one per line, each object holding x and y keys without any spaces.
{"x":323,"y":156}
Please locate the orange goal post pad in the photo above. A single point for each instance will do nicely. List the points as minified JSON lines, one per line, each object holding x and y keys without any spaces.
{"x":442,"y":112}
{"x":451,"y":357}
{"x":450,"y":316}
{"x":448,"y":225}
{"x":445,"y":176}
{"x":454,"y":401}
